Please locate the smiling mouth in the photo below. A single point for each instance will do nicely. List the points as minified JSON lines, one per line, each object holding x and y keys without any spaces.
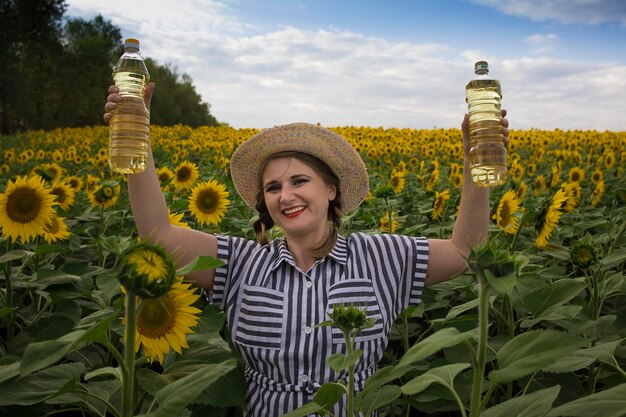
{"x":293,"y":211}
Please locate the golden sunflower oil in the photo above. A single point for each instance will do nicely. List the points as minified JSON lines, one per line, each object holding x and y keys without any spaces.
{"x":129,"y":128}
{"x":487,"y":151}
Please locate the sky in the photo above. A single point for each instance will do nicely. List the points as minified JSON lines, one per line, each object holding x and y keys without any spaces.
{"x":388,"y":63}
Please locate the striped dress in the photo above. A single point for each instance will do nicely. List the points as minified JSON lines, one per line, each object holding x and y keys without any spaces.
{"x":273,"y":307}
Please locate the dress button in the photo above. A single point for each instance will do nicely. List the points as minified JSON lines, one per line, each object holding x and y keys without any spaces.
{"x":308,"y":329}
{"x":304,"y":378}
{"x":308,"y":284}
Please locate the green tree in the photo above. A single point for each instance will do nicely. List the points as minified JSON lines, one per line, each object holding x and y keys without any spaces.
{"x":91,"y":49}
{"x":30,"y":33}
{"x":178,"y":101}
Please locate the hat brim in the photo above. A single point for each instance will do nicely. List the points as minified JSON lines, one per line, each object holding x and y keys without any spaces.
{"x":307,"y":138}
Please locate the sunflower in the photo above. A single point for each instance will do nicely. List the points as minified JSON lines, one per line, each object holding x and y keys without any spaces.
{"x":165,"y":176}
{"x":517,"y":171}
{"x":556,"y":175}
{"x":609,"y":159}
{"x":163,"y":323}
{"x":538,"y":184}
{"x":8,"y":155}
{"x":176,"y":219}
{"x":147,"y":271}
{"x":186,"y":175}
{"x":433,"y":180}
{"x":520,"y":192}
{"x":64,"y":195}
{"x":105,"y":195}
{"x":208,"y":202}
{"x":505,"y":213}
{"x":456,"y":180}
{"x":51,"y":172}
{"x":598,"y":193}
{"x":26,"y":207}
{"x":576,"y":174}
{"x":384,"y":222}
{"x":583,"y":254}
{"x":549,"y":217}
{"x":440,"y":203}
{"x":574,"y":192}
{"x":397,"y":181}
{"x":597,"y":176}
{"x":75,"y":182}
{"x":56,"y":230}
{"x":92,"y":183}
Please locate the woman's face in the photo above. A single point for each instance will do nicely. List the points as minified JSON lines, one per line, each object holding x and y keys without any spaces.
{"x":297,"y":197}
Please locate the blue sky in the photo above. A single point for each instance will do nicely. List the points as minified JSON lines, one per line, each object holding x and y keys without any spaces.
{"x":562,"y":63}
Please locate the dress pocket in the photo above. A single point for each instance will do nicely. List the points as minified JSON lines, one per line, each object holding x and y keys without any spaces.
{"x":359,"y":292}
{"x":261,"y":318}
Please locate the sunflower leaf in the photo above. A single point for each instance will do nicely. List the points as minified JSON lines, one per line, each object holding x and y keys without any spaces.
{"x":14,"y":254}
{"x":174,"y":397}
{"x":608,"y":403}
{"x":443,"y":375}
{"x":532,"y":351}
{"x":372,"y":400}
{"x":536,"y":404}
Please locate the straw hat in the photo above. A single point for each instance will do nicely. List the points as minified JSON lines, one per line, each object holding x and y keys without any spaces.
{"x":321,"y":143}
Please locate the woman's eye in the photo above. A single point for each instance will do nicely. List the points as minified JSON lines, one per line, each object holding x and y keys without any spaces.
{"x":272,"y":189}
{"x":298,"y":181}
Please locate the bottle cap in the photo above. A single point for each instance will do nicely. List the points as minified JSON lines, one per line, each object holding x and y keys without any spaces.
{"x":131,"y":43}
{"x":481,"y":66}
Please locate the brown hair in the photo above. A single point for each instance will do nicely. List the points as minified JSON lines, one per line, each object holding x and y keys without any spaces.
{"x":265,"y":221}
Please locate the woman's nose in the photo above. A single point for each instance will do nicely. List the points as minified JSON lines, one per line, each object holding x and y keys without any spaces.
{"x":286,"y":194}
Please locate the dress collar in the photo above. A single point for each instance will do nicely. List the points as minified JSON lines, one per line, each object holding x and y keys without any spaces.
{"x":339,"y":252}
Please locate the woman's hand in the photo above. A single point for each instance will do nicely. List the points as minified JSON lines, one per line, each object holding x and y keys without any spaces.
{"x":114,"y":98}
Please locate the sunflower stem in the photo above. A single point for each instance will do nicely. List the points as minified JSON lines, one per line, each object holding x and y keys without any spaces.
{"x":349,"y":350}
{"x":128,"y":387}
{"x":9,"y":296}
{"x":483,"y":323}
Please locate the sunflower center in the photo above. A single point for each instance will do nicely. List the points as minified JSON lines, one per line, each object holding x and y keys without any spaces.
{"x":183,"y":174}
{"x":107,"y":192}
{"x":23,"y":205}
{"x":156,"y":318}
{"x":207,"y":201}
{"x":60,"y":194}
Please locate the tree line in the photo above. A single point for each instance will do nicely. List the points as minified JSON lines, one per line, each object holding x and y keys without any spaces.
{"x":54,"y":71}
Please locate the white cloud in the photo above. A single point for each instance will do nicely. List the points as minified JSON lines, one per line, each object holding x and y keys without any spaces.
{"x":542,"y":43}
{"x":337,"y":77}
{"x":565,"y":11}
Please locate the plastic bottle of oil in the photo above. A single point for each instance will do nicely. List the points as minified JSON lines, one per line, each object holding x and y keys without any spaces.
{"x":487,"y":151}
{"x":129,"y":128}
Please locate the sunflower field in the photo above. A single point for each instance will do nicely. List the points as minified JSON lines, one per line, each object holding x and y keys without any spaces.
{"x":535,"y":327}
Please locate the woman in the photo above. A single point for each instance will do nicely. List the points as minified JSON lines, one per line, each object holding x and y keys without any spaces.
{"x":302,"y":177}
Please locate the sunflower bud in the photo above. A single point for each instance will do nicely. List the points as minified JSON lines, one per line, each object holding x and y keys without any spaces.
{"x":146,"y":271}
{"x":383,"y":191}
{"x":350,"y":320}
{"x":583,"y":254}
